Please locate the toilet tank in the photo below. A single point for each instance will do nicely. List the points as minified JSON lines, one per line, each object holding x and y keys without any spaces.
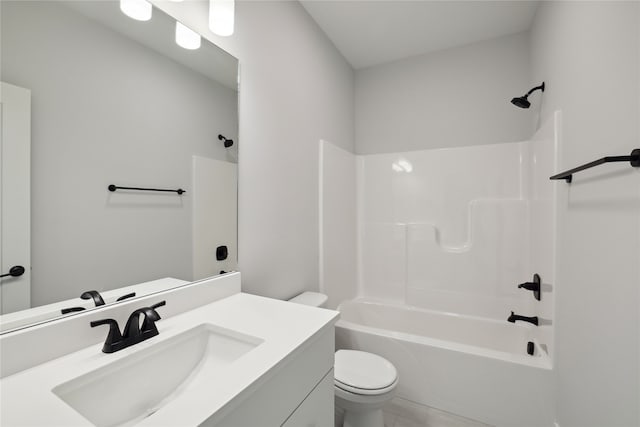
{"x":314,"y":299}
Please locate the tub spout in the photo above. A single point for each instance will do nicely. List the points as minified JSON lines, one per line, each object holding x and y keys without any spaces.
{"x":515,"y":317}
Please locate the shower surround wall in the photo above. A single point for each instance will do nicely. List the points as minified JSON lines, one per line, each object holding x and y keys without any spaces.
{"x":453,"y":230}
{"x":458,"y":229}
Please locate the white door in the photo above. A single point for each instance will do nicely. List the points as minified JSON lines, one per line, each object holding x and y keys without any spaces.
{"x":15,"y":197}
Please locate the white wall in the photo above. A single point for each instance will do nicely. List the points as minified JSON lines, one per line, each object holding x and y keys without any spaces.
{"x":588,"y":53}
{"x":84,"y":237}
{"x":455,"y":97}
{"x":295,"y":89}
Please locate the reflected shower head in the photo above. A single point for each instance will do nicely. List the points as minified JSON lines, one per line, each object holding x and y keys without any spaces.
{"x":522,"y":101}
{"x":227,"y":142}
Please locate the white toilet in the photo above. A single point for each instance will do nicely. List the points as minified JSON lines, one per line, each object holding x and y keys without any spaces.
{"x":363,"y":382}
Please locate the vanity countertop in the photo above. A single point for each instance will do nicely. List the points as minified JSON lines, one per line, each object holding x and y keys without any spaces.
{"x":27,"y":397}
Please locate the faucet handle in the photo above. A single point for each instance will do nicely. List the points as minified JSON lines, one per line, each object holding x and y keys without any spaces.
{"x":150,"y":318}
{"x":159,"y":304}
{"x":114,"y":337}
{"x":532,"y":286}
{"x":71,"y":310}
{"x":124,"y":297}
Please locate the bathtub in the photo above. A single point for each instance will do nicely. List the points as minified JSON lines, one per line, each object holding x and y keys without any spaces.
{"x":470,"y":366}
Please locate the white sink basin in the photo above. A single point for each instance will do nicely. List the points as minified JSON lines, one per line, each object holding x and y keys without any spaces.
{"x":136,"y":386}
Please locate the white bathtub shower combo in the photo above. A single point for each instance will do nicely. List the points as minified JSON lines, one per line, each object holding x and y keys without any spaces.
{"x":440,"y":256}
{"x":467,"y":365}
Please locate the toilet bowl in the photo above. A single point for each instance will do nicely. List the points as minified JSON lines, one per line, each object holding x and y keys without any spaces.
{"x":363,"y":382}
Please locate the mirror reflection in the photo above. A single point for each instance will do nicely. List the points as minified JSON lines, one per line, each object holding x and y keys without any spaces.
{"x":90,"y":99}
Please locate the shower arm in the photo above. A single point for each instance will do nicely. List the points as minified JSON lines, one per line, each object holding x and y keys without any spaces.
{"x":541,"y":87}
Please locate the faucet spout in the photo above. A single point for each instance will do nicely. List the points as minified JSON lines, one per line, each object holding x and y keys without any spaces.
{"x":95,"y":296}
{"x":133,"y":333}
{"x":132,"y":328}
{"x":513,"y":317}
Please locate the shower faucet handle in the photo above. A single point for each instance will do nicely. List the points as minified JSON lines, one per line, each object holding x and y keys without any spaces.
{"x":532,"y":286}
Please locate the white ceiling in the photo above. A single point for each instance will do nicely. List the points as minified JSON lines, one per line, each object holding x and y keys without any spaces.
{"x":372,"y":32}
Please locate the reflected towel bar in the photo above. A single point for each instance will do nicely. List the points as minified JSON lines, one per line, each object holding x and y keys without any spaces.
{"x":114,"y":188}
{"x":633,"y":159}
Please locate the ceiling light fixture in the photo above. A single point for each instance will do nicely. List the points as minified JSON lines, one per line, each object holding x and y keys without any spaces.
{"x":186,"y":37}
{"x":221,"y":16}
{"x":140,"y":10}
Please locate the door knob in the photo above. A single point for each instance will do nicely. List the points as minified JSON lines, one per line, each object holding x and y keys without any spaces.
{"x":15,"y":271}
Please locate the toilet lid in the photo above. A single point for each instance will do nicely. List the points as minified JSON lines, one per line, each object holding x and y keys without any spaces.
{"x":362,"y":370}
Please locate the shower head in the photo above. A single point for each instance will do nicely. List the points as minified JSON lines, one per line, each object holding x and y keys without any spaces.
{"x":227,"y":142}
{"x":522,"y":101}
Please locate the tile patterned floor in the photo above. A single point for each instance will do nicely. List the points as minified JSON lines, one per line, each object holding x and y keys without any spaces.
{"x":403,"y":413}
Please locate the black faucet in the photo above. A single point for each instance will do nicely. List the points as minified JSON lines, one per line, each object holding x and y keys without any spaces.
{"x":95,"y":295}
{"x":97,"y":298}
{"x":515,"y":317}
{"x":133,"y":333}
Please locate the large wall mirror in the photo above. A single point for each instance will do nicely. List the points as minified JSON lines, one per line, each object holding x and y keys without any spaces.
{"x":93,"y":98}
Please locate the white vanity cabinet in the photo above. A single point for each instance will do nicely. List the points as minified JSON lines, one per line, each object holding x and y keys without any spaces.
{"x":241,"y":360}
{"x":299,"y":393}
{"x":314,"y":410}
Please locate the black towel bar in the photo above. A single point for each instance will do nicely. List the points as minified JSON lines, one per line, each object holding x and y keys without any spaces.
{"x":633,"y":159}
{"x":115,"y":187}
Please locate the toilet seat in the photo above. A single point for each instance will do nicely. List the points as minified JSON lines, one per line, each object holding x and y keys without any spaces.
{"x":363,"y":391}
{"x":363,"y":373}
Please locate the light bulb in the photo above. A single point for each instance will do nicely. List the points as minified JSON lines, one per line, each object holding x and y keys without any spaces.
{"x":139,"y":10}
{"x":221,"y":16}
{"x":186,"y":37}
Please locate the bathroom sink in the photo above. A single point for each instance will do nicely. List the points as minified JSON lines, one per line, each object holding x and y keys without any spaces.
{"x":137,"y":385}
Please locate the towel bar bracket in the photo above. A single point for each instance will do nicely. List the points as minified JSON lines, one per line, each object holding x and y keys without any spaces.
{"x":635,"y":158}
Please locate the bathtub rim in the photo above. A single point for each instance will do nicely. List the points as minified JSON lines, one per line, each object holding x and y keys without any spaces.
{"x":541,"y":361}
